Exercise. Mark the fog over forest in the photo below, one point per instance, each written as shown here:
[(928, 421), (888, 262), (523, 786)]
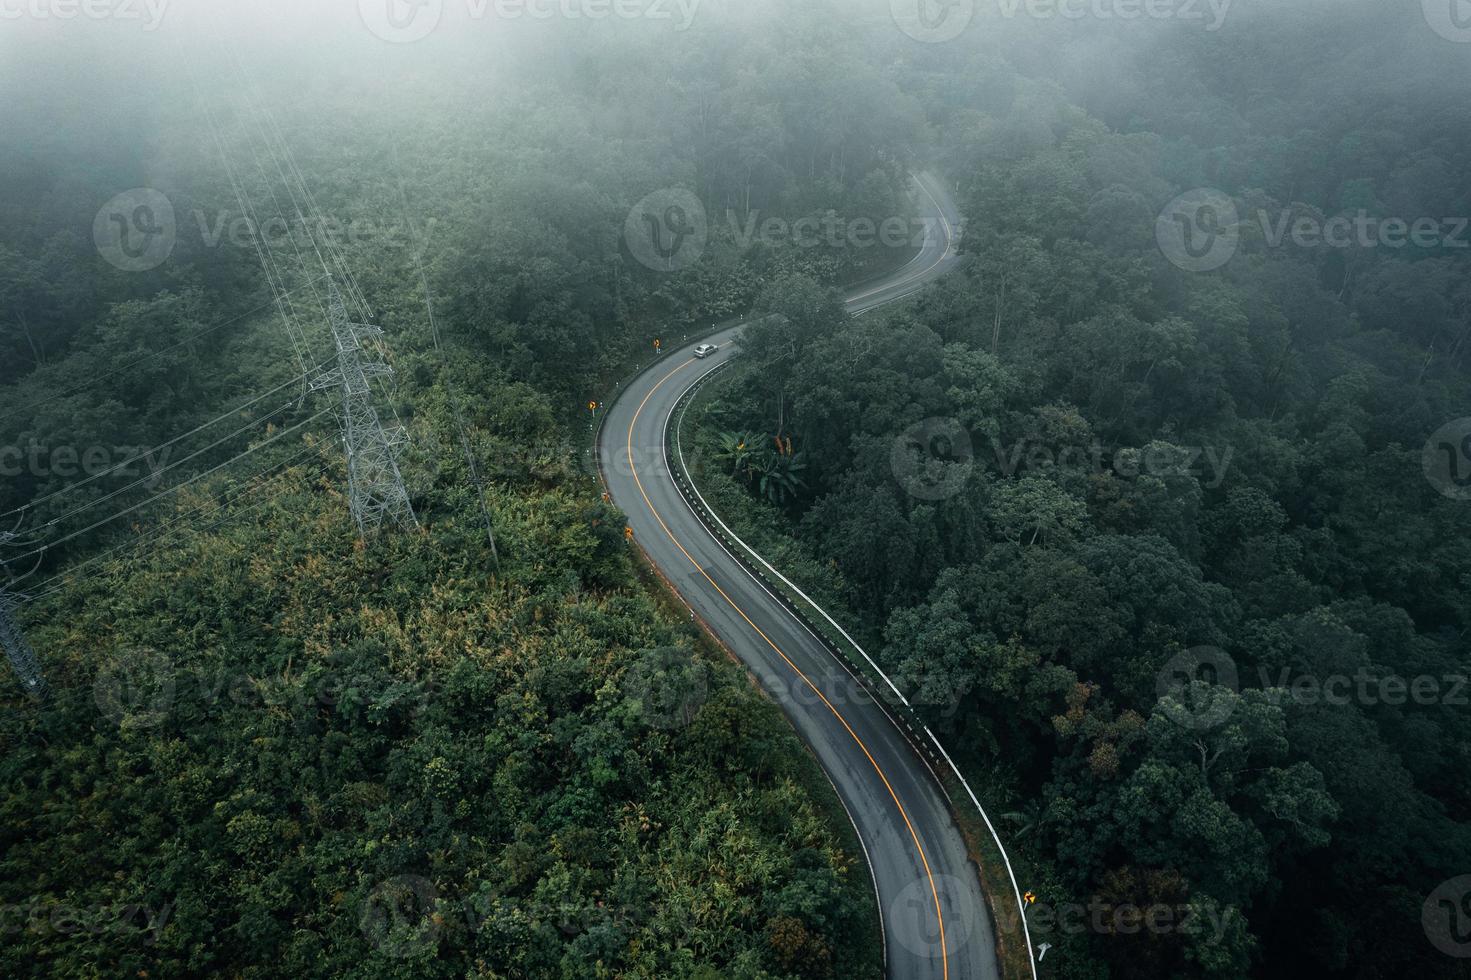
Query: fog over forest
[(735, 489)]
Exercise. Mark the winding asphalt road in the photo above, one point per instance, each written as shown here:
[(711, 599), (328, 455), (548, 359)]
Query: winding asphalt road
[(935, 922)]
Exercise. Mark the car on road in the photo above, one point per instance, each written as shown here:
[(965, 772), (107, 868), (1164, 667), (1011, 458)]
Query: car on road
[(705, 350)]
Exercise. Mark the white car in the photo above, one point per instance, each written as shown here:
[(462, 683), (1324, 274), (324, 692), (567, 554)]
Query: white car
[(705, 350)]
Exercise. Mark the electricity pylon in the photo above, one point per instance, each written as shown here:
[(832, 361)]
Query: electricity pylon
[(22, 658), (376, 490)]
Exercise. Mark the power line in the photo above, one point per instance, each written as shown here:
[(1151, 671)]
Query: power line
[(309, 216), (375, 484), (304, 206), (376, 490), (248, 116), (174, 465), (279, 150), (454, 402), (147, 357), (73, 697), (152, 452), (174, 489), (267, 262), (181, 523)]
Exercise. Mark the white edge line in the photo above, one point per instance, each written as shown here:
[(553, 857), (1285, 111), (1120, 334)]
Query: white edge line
[(873, 876), (821, 642), (679, 449), (1006, 859)]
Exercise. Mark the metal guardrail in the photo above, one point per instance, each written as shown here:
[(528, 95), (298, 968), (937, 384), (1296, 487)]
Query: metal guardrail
[(908, 722), (929, 748)]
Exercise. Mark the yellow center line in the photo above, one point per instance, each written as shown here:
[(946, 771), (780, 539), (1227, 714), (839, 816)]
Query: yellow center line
[(939, 912)]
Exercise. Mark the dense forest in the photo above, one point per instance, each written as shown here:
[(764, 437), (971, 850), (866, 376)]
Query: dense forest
[(268, 749), (1096, 470), (1144, 507)]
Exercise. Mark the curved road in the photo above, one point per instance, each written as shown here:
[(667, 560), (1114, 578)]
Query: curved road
[(935, 922)]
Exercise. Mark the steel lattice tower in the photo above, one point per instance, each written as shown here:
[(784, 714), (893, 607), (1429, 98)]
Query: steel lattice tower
[(375, 486), (22, 658)]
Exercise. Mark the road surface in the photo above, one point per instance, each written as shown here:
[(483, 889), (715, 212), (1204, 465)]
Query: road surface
[(935, 922)]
